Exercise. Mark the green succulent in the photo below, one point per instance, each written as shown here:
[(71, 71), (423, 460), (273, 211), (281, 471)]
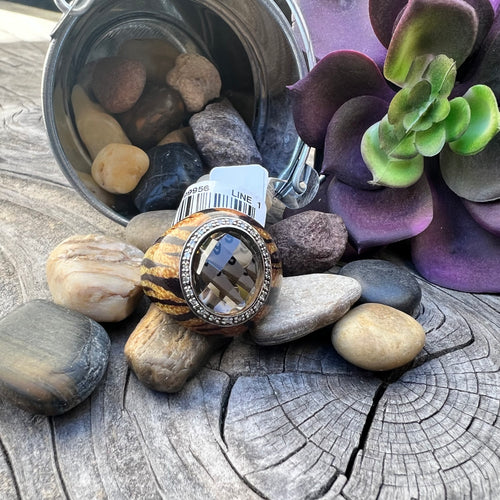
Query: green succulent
[(421, 120)]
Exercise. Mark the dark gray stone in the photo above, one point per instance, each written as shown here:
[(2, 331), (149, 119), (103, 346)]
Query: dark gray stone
[(172, 169), (386, 283), (52, 358), (309, 242), (222, 137)]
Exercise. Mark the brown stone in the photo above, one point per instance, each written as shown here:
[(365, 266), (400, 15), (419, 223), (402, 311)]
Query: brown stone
[(309, 242), (118, 83), (164, 355), (160, 110)]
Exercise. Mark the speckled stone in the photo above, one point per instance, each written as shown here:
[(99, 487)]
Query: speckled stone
[(173, 168), (52, 357), (309, 242), (144, 229), (378, 337), (222, 137), (385, 283), (164, 355), (197, 80), (305, 304), (118, 83)]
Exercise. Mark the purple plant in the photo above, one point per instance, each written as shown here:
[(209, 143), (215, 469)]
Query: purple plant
[(402, 107)]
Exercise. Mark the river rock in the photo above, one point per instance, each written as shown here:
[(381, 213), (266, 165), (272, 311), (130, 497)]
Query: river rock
[(144, 229), (118, 83), (309, 242), (378, 337), (52, 358), (160, 110), (164, 355), (173, 168), (223, 138), (96, 275), (305, 304), (96, 128), (197, 80), (385, 283), (118, 168)]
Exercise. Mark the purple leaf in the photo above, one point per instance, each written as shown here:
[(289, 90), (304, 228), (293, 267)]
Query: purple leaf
[(375, 218), (337, 25), (446, 27), (489, 60), (383, 15), (485, 15), (487, 215), (454, 251), (338, 77), (343, 140)]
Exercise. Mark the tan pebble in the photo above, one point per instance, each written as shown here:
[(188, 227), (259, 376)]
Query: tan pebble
[(197, 80), (96, 128), (96, 275), (118, 168), (184, 135), (158, 56), (164, 355), (378, 337)]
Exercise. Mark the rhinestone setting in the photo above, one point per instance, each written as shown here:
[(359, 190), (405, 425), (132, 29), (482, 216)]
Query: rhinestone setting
[(224, 299)]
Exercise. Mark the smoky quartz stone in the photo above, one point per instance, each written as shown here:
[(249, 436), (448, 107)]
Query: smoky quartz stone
[(227, 272)]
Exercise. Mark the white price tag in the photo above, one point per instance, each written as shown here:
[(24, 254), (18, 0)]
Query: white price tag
[(242, 188)]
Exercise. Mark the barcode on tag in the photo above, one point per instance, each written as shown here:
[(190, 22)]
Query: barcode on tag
[(225, 201), (191, 204), (242, 188), (210, 194)]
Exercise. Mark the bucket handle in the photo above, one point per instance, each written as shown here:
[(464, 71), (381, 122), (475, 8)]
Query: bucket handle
[(74, 8)]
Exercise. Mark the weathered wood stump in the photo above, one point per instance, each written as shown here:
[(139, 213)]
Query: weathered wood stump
[(287, 422)]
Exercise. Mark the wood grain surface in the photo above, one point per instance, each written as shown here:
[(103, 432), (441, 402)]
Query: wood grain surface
[(287, 422)]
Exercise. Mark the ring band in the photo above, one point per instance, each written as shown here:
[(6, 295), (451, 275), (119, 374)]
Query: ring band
[(215, 272)]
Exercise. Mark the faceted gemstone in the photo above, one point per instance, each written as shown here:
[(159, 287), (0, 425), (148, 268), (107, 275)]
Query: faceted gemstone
[(227, 275)]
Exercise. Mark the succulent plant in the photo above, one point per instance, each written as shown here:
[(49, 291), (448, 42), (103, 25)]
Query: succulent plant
[(402, 108)]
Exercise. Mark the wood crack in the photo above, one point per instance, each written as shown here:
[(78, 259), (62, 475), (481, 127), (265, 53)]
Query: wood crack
[(223, 410), (8, 462), (366, 428)]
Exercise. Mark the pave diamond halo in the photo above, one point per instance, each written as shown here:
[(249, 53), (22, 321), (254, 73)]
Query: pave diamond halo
[(215, 272)]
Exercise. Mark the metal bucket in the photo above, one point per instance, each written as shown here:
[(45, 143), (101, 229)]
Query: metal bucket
[(251, 42)]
